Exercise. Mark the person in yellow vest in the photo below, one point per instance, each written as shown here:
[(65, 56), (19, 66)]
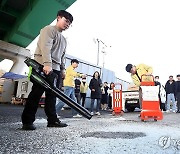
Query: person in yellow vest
[(83, 90), (138, 71), (69, 85), (136, 75)]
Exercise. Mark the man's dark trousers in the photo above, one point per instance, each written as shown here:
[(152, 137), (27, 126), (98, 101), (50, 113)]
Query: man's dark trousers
[(31, 106)]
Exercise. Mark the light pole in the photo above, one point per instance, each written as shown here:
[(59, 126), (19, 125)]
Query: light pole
[(99, 41), (104, 53)]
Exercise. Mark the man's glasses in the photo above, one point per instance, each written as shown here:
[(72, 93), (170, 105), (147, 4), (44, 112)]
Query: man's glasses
[(131, 71), (67, 21)]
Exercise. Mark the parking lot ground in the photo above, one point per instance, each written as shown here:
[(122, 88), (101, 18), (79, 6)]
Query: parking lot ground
[(105, 134)]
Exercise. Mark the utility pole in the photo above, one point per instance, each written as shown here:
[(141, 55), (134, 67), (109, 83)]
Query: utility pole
[(104, 46), (98, 41), (104, 53)]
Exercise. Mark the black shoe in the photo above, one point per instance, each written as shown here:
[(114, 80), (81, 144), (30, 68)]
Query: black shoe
[(28, 127), (57, 124), (178, 111)]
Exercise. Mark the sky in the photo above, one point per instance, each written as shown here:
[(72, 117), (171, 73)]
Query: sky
[(134, 31)]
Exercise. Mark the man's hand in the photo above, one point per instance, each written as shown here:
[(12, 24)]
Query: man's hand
[(47, 69), (93, 89)]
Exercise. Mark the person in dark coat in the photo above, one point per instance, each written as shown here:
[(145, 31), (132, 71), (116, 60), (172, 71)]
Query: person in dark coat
[(170, 91), (178, 93), (77, 90), (95, 87)]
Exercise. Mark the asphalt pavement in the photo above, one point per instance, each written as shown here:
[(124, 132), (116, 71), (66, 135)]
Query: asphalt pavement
[(104, 134)]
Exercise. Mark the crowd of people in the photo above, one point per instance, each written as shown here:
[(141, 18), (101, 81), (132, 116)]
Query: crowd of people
[(99, 92), (172, 88)]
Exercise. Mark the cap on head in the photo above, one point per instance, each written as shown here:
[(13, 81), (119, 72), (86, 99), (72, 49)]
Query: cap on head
[(67, 15), (178, 75), (128, 67)]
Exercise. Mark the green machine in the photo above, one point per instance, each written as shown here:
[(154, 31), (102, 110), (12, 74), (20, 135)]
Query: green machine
[(37, 75)]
